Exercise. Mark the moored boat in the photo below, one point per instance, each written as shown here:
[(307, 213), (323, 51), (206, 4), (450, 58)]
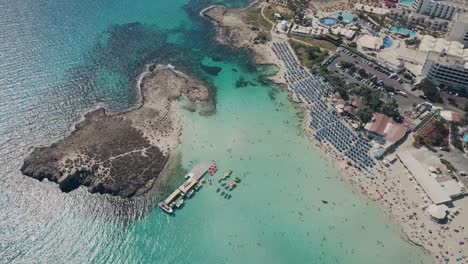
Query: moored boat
[(165, 208), (227, 174), (179, 202), (232, 185), (189, 193)]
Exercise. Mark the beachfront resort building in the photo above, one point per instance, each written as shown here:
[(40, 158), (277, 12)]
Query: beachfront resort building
[(385, 131), (458, 30), (440, 60), (445, 9), (447, 69)]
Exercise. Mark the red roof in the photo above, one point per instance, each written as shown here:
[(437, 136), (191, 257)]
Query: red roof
[(387, 128), (427, 128)]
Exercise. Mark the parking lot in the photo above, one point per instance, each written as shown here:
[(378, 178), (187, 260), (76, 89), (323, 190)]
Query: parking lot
[(378, 78)]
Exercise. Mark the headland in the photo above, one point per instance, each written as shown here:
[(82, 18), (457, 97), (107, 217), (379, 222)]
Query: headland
[(122, 154)]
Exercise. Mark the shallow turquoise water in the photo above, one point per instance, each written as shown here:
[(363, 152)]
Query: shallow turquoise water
[(63, 57)]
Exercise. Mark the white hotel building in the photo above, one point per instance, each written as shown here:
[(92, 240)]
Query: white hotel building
[(458, 30), (445, 9), (446, 69)]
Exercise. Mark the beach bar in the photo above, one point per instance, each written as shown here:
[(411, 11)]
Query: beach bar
[(433, 189)]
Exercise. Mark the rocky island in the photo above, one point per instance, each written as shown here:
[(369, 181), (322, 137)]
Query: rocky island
[(122, 154)]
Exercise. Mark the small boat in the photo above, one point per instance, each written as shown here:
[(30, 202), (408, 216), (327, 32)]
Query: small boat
[(189, 193), (222, 193), (198, 186), (209, 181), (232, 185), (236, 179), (179, 202), (165, 208), (227, 174), (223, 183), (217, 190), (325, 202)]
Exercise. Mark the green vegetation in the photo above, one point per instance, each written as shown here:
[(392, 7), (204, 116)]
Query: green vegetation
[(371, 102), (310, 56), (430, 91), (464, 120), (254, 17), (448, 164), (465, 107), (262, 37), (456, 136), (363, 73), (412, 41), (364, 113), (438, 137), (285, 13), (298, 7), (390, 109), (323, 44)]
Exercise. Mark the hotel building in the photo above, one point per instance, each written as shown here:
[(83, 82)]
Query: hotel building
[(443, 68), (445, 9), (458, 30)]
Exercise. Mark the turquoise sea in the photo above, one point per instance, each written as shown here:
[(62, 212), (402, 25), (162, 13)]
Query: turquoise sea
[(59, 59)]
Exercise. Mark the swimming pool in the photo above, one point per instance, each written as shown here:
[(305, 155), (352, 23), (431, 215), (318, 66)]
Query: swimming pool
[(347, 17), (406, 3), (328, 21), (403, 31), (387, 43)]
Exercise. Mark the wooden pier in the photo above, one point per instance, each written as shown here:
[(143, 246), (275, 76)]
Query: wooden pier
[(193, 178)]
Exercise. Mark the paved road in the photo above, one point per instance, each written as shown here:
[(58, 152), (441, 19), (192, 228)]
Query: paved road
[(404, 102)]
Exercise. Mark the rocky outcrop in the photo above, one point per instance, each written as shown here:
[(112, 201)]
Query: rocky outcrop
[(234, 31), (122, 154)]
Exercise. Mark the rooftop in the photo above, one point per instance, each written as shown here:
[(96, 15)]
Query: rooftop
[(450, 115), (441, 45), (387, 128), (427, 128), (370, 42), (431, 187)]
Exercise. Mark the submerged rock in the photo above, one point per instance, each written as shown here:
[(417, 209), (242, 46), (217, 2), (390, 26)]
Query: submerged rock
[(212, 70)]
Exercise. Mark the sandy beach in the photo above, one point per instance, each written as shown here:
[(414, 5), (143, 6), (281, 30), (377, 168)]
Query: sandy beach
[(392, 188)]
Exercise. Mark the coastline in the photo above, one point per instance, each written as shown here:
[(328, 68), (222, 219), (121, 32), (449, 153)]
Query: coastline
[(386, 187), (146, 135)]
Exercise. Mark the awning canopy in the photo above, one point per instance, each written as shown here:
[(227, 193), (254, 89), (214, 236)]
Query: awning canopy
[(437, 211)]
